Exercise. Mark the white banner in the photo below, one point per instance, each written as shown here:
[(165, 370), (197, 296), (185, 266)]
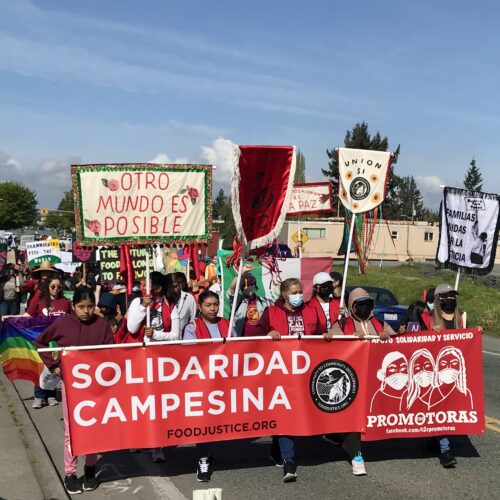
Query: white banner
[(468, 230), (38, 251), (311, 198), (142, 203), (362, 178)]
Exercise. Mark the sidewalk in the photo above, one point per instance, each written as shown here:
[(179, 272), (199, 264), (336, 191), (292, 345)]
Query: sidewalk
[(27, 469)]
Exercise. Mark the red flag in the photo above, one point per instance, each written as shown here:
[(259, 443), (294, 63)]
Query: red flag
[(127, 267), (195, 262), (261, 188)]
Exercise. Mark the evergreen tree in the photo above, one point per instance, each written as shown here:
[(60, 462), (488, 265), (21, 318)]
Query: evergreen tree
[(360, 138), (300, 170), (218, 205), (411, 204), (473, 178)]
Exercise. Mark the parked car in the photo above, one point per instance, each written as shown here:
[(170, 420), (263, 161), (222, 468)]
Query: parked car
[(387, 307)]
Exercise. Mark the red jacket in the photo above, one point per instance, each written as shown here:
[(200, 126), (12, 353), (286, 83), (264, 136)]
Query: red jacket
[(277, 318), (334, 311), (202, 332), (350, 327)]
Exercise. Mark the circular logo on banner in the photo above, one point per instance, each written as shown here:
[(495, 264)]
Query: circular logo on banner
[(333, 385), (359, 189)]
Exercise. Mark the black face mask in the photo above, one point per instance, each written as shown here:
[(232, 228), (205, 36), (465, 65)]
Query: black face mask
[(449, 305), (250, 292), (363, 310), (325, 292)]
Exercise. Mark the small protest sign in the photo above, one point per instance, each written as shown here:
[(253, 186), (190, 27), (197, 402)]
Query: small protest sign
[(38, 251), (109, 259), (311, 198)]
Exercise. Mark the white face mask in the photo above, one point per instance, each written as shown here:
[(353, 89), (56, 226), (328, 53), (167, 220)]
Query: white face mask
[(397, 381), (448, 375), (430, 305), (424, 378)]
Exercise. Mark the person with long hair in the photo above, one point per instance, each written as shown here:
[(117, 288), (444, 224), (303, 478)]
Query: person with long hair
[(81, 328), (51, 301), (183, 300), (420, 380), (10, 292), (414, 320)]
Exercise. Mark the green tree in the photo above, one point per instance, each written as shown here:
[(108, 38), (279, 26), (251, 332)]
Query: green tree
[(218, 205), (17, 205), (411, 204), (64, 216), (473, 178), (300, 170), (229, 228), (360, 138)]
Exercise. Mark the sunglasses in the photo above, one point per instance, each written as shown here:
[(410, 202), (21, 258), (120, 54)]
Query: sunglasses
[(55, 287)]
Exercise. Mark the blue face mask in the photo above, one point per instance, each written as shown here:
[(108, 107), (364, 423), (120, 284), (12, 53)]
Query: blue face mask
[(430, 305), (296, 300)]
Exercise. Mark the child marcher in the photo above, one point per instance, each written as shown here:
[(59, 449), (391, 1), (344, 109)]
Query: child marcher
[(81, 328)]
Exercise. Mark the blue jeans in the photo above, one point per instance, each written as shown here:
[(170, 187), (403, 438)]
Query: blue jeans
[(9, 308), (287, 447), (43, 393), (444, 444)]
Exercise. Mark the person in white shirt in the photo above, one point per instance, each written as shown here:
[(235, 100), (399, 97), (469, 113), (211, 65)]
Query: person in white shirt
[(185, 303)]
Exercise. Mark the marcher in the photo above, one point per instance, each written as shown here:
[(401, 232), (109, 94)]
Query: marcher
[(164, 321), (208, 325), (249, 306), (51, 301), (288, 316), (413, 320), (323, 301), (184, 301), (10, 292), (361, 320), (81, 328)]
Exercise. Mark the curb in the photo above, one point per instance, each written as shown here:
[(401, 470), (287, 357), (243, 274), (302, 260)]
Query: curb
[(42, 465)]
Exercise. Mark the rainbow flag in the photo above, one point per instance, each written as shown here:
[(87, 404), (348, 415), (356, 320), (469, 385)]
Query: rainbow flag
[(18, 354)]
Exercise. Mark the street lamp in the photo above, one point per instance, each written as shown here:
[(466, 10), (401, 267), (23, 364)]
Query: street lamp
[(408, 236)]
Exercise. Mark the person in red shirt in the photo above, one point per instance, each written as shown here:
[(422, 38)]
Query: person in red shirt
[(323, 300), (51, 301)]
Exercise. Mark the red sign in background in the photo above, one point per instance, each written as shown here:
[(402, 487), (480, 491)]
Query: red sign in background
[(414, 385)]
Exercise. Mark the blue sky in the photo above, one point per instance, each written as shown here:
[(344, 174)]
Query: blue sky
[(133, 81)]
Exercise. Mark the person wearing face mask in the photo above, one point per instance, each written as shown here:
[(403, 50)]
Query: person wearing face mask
[(446, 314), (414, 321), (361, 321), (323, 301), (249, 306), (288, 316)]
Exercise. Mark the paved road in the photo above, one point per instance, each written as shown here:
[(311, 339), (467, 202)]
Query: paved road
[(396, 468)]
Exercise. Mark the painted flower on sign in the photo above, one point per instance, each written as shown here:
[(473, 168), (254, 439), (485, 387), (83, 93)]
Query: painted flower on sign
[(93, 225), (111, 184), (192, 193)]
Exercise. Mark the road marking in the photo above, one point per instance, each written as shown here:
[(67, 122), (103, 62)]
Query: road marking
[(492, 353), (489, 424)]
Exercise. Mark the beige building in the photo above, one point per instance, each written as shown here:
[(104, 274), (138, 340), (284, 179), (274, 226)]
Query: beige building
[(396, 241)]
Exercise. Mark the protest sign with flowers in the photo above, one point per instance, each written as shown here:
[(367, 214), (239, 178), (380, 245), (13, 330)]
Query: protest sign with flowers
[(142, 203)]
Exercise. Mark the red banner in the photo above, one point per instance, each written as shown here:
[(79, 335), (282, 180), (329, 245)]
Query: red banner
[(413, 385), (425, 384), (177, 394)]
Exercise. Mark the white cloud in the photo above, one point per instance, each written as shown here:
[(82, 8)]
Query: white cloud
[(430, 186), (220, 154), (8, 165), (163, 158)]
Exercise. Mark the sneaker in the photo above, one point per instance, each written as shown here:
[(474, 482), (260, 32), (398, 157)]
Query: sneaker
[(332, 439), (72, 485), (204, 471), (275, 455), (447, 460), (90, 482), (38, 403), (289, 471), (52, 401), (158, 456), (358, 465)]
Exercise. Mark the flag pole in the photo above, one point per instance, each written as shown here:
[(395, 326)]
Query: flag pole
[(457, 279), (148, 288), (237, 290), (347, 255), (299, 238)]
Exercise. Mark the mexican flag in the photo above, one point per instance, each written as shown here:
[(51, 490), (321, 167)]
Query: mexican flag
[(268, 284)]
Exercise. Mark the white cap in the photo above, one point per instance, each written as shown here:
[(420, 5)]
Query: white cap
[(321, 278)]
